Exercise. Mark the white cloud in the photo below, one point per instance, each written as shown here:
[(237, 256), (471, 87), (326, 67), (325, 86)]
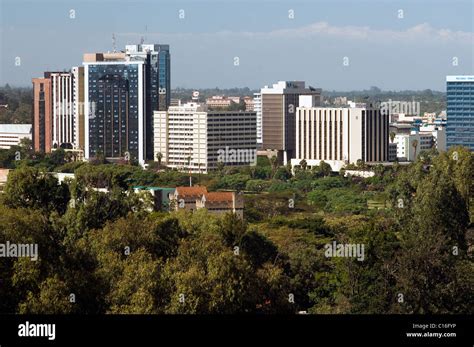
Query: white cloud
[(419, 33)]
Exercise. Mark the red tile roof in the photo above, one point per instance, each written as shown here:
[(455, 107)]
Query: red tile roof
[(196, 191), (219, 197)]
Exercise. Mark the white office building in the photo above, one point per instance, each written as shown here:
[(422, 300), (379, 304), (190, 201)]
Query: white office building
[(12, 134), (78, 107), (409, 146), (439, 135), (257, 107), (63, 110), (339, 136), (192, 139)]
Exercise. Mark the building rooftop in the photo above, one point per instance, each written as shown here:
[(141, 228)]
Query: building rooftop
[(196, 191), (219, 197), (15, 128)]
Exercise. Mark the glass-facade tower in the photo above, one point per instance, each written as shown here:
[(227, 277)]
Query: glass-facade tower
[(460, 111), (115, 118), (122, 90), (158, 84)]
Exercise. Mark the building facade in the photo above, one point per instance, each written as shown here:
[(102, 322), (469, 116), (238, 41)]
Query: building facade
[(157, 66), (197, 197), (339, 136), (122, 90), (191, 138), (114, 108), (62, 117), (78, 107), (278, 105), (12, 134), (42, 115), (409, 146), (257, 107), (460, 111), (55, 119)]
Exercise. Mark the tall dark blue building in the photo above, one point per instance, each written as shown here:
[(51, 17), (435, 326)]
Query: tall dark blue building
[(460, 111), (122, 90)]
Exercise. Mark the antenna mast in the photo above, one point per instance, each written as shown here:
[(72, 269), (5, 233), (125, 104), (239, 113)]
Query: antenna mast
[(114, 43)]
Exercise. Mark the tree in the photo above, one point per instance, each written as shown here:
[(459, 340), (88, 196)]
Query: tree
[(28, 187), (325, 168), (392, 136), (159, 156), (414, 144), (274, 164), (432, 245), (53, 298)]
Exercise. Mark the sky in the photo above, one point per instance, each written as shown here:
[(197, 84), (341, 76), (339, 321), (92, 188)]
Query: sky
[(330, 44)]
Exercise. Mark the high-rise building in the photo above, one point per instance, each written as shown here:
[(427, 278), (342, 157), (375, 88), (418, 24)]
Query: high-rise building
[(279, 104), (63, 119), (114, 107), (257, 107), (157, 83), (460, 111), (78, 107), (191, 138), (53, 111), (339, 136), (122, 90), (42, 115)]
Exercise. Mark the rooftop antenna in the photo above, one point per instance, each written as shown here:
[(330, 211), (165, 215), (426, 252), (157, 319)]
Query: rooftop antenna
[(114, 43), (142, 40)]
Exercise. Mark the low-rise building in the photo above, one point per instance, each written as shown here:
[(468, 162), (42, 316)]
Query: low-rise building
[(409, 146), (12, 134), (197, 197), (218, 101)]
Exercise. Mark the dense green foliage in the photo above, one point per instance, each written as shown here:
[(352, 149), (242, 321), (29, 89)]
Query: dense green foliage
[(105, 253)]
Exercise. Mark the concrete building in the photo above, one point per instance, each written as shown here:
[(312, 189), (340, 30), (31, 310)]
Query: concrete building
[(439, 135), (409, 146), (460, 111), (249, 106), (63, 118), (218, 101), (78, 107), (257, 107), (192, 139), (42, 115), (56, 119), (195, 198), (279, 104), (12, 134), (392, 151), (339, 136)]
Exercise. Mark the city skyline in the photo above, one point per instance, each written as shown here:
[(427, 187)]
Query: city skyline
[(382, 49)]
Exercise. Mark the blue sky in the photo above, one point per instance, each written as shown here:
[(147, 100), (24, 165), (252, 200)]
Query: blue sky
[(415, 52)]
